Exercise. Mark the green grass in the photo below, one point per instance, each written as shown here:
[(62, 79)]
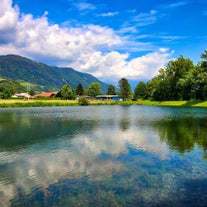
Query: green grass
[(191, 103), (56, 102), (35, 103), (25, 84), (200, 104), (172, 103)]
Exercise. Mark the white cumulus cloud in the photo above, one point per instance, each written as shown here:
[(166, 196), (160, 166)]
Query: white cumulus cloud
[(8, 20), (86, 48)]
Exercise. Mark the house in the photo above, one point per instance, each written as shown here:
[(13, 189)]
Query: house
[(21, 95), (108, 97), (45, 95), (84, 96)]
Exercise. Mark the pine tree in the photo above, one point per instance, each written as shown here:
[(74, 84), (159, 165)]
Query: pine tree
[(125, 89), (79, 90)]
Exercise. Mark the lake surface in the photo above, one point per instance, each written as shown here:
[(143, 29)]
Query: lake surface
[(103, 156)]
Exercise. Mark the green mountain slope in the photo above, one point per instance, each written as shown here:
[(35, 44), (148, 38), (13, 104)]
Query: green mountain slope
[(44, 77)]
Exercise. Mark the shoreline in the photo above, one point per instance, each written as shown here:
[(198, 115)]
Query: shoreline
[(12, 103)]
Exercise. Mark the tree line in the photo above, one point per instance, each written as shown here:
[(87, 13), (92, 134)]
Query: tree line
[(94, 89), (180, 79)]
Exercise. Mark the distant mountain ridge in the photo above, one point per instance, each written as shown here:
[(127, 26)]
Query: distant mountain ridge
[(45, 77)]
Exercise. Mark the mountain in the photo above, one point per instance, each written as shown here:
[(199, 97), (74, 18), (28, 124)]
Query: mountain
[(41, 76)]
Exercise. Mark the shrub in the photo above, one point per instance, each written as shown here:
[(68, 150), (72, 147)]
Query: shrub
[(83, 101)]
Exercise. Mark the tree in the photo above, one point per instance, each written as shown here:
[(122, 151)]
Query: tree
[(199, 79), (5, 93), (111, 90), (12, 86), (176, 70), (171, 82), (67, 92), (31, 92), (82, 101), (203, 66), (152, 87), (125, 89), (203, 63), (94, 89), (204, 55), (79, 90), (196, 80), (140, 91)]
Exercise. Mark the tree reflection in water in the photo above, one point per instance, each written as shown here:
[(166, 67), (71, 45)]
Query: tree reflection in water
[(182, 134)]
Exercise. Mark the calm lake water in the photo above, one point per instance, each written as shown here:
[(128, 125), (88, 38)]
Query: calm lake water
[(103, 156)]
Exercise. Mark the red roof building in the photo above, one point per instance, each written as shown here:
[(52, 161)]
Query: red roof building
[(45, 94)]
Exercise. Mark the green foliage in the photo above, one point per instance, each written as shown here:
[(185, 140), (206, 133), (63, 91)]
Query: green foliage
[(79, 90), (12, 86), (94, 89), (172, 82), (9, 87), (5, 93), (111, 90), (67, 92), (180, 80), (204, 55), (125, 89), (82, 101), (140, 91), (31, 92)]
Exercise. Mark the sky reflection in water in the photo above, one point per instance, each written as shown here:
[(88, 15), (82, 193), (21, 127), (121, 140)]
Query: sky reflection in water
[(103, 156)]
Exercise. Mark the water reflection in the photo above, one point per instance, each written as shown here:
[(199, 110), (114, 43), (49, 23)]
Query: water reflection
[(22, 128), (88, 156), (183, 133)]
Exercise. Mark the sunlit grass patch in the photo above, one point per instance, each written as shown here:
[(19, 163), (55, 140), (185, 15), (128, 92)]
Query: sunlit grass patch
[(201, 104), (172, 103), (56, 102), (36, 103)]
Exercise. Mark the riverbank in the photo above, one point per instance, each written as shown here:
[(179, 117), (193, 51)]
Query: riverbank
[(36, 103), (43, 103)]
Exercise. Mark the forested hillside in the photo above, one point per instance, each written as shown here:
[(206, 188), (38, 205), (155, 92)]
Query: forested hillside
[(42, 76)]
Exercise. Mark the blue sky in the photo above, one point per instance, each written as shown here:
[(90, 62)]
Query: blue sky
[(108, 39)]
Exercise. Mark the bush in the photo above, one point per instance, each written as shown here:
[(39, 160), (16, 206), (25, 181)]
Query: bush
[(83, 101)]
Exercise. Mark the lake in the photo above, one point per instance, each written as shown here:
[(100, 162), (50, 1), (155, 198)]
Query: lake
[(103, 156)]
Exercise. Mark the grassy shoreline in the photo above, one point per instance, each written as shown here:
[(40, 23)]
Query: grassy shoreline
[(44, 103)]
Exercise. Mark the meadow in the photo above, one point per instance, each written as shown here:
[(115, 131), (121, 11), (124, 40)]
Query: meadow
[(4, 103)]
